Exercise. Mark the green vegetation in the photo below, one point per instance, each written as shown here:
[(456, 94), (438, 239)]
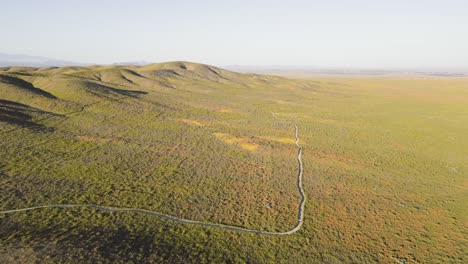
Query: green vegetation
[(384, 165)]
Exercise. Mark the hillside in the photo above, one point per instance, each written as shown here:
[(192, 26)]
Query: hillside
[(384, 166)]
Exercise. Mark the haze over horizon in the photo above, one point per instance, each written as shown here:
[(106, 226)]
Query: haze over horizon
[(334, 34)]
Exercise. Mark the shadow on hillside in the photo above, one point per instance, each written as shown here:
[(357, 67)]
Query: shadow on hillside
[(25, 85), (20, 115), (87, 242), (95, 87)]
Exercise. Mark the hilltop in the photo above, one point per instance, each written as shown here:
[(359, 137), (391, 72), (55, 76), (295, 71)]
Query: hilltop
[(61, 89)]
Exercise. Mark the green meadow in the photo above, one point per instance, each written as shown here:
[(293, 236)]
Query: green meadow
[(385, 166)]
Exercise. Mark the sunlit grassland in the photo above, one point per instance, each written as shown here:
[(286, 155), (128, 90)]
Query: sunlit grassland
[(385, 167)]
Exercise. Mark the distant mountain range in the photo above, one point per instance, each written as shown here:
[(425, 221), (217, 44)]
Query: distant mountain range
[(32, 61), (13, 60)]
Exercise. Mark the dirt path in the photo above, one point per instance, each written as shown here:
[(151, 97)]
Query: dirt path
[(300, 213)]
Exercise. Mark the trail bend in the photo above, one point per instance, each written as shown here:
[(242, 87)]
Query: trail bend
[(297, 227)]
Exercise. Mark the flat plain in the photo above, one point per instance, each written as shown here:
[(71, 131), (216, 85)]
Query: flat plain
[(385, 165)]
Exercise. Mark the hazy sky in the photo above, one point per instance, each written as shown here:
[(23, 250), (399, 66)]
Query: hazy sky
[(326, 33)]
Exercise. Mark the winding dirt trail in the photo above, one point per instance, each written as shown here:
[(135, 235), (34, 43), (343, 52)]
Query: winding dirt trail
[(300, 213)]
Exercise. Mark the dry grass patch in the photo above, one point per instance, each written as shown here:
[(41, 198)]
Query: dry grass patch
[(249, 146), (280, 140), (241, 141), (191, 122)]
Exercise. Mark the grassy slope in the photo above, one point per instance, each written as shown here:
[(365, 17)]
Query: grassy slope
[(385, 168)]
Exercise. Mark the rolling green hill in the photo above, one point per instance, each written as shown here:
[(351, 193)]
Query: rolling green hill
[(384, 166)]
